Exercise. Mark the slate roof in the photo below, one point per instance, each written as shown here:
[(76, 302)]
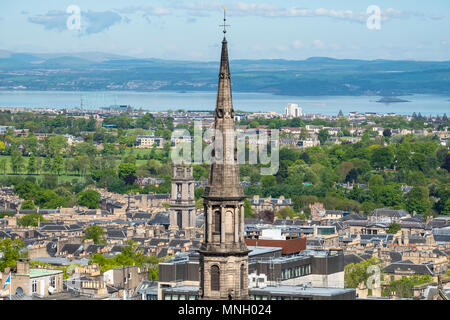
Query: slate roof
[(162, 253), (407, 265), (354, 217), (116, 234), (156, 241), (72, 248), (395, 256), (351, 258), (178, 242), (93, 248), (387, 212), (161, 218)]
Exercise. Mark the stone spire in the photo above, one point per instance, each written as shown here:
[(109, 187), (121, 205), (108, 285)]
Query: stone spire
[(223, 253), (224, 174)]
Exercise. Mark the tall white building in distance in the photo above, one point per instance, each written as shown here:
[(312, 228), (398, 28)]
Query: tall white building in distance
[(293, 111)]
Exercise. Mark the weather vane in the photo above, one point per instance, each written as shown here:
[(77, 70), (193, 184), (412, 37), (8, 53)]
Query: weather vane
[(224, 25)]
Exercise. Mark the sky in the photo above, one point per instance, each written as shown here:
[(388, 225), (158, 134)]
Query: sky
[(265, 29)]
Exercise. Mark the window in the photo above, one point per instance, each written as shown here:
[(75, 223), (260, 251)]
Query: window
[(53, 282), (215, 278), (34, 286), (191, 297), (217, 222), (168, 297)]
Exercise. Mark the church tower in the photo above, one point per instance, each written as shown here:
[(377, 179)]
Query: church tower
[(223, 253), (182, 199)]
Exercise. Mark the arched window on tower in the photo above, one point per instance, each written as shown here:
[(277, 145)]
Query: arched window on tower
[(217, 221), (215, 278)]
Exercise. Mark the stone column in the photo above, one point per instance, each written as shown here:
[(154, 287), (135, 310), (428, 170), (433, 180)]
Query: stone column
[(236, 224), (209, 222), (222, 222), (242, 223)]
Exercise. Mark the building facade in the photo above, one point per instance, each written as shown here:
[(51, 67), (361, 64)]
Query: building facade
[(182, 199)]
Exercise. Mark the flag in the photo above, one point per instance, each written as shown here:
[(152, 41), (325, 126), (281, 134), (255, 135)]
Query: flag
[(8, 281)]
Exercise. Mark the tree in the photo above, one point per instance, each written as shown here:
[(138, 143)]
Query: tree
[(286, 212), (356, 273), (403, 288), (47, 164), (27, 205), (417, 200), (3, 165), (268, 181), (387, 132), (58, 164), (31, 168), (394, 228), (323, 136), (248, 211), (352, 175), (95, 233), (16, 161), (382, 157), (30, 220), (89, 198), (11, 250), (127, 172)]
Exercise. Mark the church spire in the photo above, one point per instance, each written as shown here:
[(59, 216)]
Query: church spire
[(223, 253), (224, 175)]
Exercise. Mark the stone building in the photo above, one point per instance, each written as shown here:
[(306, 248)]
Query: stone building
[(32, 281), (182, 200), (224, 254)]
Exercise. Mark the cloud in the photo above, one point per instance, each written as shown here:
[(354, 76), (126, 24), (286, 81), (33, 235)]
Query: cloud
[(318, 44), (296, 44), (203, 8), (99, 21), (51, 20), (147, 10), (91, 21)]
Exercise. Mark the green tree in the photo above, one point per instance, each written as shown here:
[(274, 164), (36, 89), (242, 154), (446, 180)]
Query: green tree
[(95, 233), (16, 161), (31, 167), (3, 165), (323, 136), (394, 228), (268, 181), (58, 164), (127, 172), (418, 200), (356, 273), (248, 211), (30, 220), (89, 198), (382, 157), (27, 205), (11, 251)]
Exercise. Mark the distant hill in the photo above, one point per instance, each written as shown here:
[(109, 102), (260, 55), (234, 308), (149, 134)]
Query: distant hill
[(312, 77)]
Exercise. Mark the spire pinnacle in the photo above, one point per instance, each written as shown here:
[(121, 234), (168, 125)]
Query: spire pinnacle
[(224, 25)]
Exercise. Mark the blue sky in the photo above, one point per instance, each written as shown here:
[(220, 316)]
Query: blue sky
[(265, 29)]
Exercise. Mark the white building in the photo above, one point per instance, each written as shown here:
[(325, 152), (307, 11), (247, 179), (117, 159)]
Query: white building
[(293, 111)]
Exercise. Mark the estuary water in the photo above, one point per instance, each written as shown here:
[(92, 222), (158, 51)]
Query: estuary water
[(253, 102)]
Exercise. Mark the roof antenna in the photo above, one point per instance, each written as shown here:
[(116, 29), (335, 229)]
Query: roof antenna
[(224, 25)]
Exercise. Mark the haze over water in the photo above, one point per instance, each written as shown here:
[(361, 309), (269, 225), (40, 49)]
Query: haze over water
[(252, 102)]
